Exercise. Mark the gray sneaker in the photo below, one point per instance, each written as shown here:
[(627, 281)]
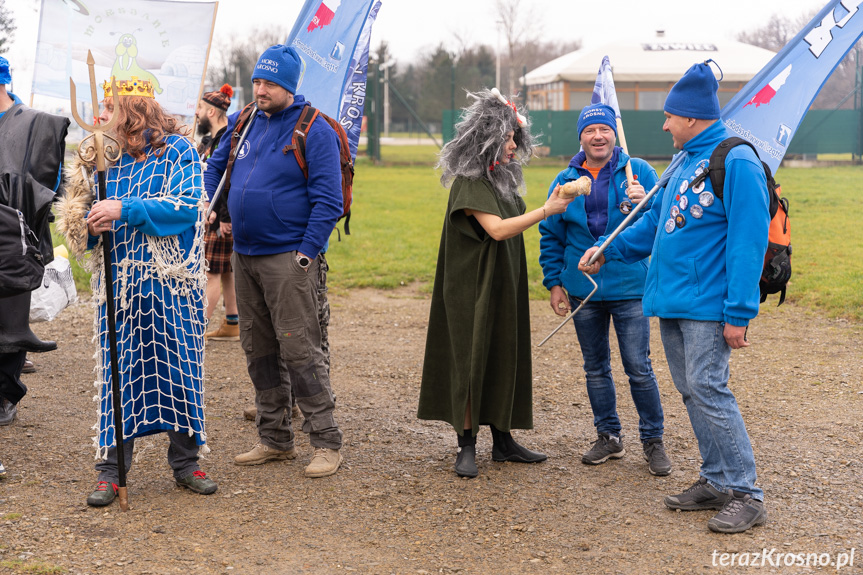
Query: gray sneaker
[(604, 448), (8, 411), (701, 495), (739, 514), (657, 461), (198, 482)]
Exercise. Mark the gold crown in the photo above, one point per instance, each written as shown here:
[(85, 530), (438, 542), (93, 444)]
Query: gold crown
[(131, 87)]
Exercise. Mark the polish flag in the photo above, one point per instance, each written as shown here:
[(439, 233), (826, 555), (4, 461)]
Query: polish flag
[(766, 93), (324, 15)]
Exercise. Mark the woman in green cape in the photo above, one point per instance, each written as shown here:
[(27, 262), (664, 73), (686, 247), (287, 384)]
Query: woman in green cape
[(477, 368)]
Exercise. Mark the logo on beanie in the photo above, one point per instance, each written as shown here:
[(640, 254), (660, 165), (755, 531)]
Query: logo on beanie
[(268, 65), (766, 93), (324, 14)]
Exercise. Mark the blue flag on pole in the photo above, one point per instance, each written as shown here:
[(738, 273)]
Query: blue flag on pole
[(603, 89), (333, 37), (769, 109)]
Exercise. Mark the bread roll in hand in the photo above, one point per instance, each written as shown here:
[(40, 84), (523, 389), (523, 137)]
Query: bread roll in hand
[(579, 187)]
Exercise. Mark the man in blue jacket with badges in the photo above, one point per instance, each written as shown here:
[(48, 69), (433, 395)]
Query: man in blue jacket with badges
[(280, 221), (702, 284), (564, 238)]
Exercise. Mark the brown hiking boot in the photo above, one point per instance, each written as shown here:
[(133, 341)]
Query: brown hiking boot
[(325, 462), (260, 453), (251, 413), (226, 332)]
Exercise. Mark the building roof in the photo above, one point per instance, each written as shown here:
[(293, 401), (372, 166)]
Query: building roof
[(653, 60)]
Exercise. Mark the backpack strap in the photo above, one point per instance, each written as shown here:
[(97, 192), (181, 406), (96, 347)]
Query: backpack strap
[(242, 119), (298, 141), (716, 171), (716, 165)]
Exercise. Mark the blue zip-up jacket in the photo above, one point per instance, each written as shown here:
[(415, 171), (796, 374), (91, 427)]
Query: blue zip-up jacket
[(707, 270), (273, 208), (566, 236)]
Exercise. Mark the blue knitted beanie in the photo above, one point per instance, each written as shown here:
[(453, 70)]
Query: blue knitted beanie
[(5, 76), (694, 95), (596, 114), (282, 65)]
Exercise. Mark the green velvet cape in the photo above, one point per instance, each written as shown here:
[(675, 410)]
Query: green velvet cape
[(478, 343)]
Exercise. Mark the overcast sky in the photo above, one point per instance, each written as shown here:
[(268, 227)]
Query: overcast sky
[(412, 28)]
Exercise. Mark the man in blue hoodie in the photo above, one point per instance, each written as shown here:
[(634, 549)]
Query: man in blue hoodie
[(564, 238), (281, 221), (702, 284)]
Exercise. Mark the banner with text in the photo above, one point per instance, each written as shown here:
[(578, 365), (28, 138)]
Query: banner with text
[(333, 37), (162, 41), (769, 109)]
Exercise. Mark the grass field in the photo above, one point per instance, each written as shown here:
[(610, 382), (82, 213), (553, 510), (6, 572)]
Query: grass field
[(399, 208)]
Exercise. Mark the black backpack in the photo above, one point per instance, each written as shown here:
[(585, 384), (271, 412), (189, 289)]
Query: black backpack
[(21, 263), (777, 261)]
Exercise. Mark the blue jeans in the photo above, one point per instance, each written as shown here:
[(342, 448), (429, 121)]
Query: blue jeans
[(633, 338), (697, 357)]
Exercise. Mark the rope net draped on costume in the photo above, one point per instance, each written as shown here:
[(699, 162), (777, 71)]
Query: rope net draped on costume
[(159, 287)]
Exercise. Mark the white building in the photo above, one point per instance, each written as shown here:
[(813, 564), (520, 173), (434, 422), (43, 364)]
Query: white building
[(643, 72)]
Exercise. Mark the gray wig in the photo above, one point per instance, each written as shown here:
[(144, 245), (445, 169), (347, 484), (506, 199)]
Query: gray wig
[(477, 147)]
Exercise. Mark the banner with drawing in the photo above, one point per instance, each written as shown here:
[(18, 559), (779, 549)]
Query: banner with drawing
[(157, 40)]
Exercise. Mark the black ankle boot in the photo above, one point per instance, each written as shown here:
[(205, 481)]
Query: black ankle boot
[(506, 449), (465, 461), (15, 334)]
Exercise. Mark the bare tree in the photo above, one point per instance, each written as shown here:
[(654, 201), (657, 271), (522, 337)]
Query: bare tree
[(518, 29), (232, 60), (774, 35), (7, 27)]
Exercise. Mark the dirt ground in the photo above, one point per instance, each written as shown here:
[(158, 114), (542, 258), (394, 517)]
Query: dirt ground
[(396, 506)]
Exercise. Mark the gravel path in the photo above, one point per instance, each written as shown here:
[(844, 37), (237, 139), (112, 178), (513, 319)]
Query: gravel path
[(397, 507)]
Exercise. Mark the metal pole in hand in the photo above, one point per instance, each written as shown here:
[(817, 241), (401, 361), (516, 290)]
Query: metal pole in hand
[(666, 175), (92, 149), (232, 154)]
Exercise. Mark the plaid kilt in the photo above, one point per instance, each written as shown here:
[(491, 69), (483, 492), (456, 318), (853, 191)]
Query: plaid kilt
[(217, 251)]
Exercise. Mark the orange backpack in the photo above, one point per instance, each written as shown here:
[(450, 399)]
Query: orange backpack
[(777, 261)]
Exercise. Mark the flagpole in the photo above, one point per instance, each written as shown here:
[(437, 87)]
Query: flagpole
[(204, 73), (622, 138), (604, 93)]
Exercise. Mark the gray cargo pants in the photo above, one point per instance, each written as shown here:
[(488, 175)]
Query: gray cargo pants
[(182, 457), (281, 334)]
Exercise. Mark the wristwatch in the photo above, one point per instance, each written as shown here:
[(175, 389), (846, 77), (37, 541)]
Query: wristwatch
[(303, 261)]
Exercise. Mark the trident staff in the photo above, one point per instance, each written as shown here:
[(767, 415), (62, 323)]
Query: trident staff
[(93, 150)]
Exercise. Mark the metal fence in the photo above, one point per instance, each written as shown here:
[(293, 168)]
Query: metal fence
[(821, 132)]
